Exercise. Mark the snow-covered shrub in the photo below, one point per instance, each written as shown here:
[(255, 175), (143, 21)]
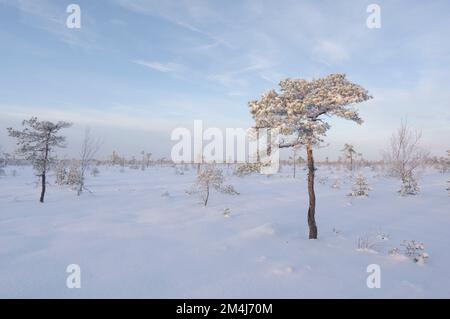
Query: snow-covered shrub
[(395, 252), (68, 176), (226, 212), (336, 184), (382, 235), (373, 241), (409, 186), (360, 187), (413, 250), (73, 176), (209, 178), (13, 173), (247, 169), (322, 180), (61, 173), (2, 172), (179, 170), (366, 243)]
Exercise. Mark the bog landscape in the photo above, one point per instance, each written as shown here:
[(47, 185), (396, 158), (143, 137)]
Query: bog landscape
[(199, 149)]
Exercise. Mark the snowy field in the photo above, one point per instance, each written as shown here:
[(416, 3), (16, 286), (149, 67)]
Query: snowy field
[(132, 239)]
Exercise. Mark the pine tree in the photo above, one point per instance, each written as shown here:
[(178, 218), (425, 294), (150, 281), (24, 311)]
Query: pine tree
[(36, 142), (360, 187), (349, 153), (298, 112)]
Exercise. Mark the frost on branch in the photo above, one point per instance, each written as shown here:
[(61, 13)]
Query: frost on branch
[(298, 108), (247, 169), (210, 178)]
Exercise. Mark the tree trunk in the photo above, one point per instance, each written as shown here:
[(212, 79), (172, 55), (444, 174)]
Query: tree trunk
[(312, 195), (81, 181), (43, 187), (257, 145), (44, 170), (269, 142), (294, 162), (207, 195), (80, 189)]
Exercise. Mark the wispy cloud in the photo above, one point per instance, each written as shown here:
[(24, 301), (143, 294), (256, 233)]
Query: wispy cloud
[(169, 67), (51, 18), (238, 77), (178, 13), (112, 118)]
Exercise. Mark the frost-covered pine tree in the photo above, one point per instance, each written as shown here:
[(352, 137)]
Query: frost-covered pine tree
[(210, 178), (349, 153), (360, 187), (36, 143), (299, 111)]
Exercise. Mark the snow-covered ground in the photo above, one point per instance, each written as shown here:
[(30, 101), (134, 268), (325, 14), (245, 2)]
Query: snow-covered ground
[(130, 241)]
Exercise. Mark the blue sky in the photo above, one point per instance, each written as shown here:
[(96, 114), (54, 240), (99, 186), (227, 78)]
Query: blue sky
[(137, 69)]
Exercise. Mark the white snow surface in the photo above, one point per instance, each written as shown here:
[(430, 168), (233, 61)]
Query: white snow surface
[(139, 235)]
